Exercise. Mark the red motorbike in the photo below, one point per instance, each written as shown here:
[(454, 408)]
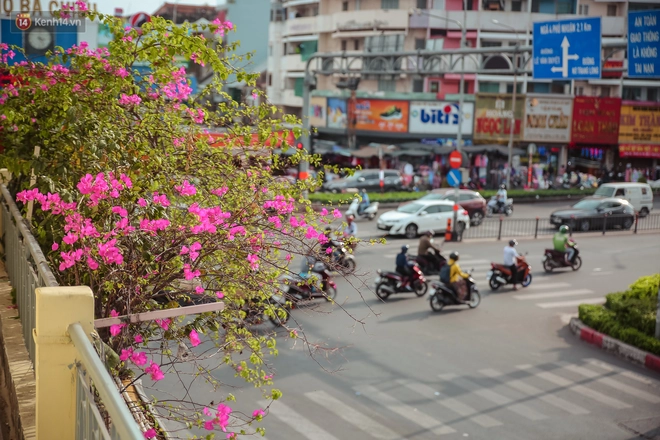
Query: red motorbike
[(553, 259), (298, 289), (388, 283), (500, 275)]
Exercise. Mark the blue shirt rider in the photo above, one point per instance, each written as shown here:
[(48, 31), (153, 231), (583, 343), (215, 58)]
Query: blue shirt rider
[(364, 204), (403, 266)]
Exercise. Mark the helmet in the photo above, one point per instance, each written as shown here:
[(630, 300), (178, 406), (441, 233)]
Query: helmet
[(350, 217), (512, 242), (429, 233), (453, 255), (563, 229), (328, 229), (502, 186), (404, 248)]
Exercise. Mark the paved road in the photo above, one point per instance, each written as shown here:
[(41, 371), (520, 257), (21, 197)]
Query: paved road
[(509, 369)]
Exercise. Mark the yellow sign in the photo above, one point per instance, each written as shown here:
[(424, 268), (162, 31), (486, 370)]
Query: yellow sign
[(639, 124)]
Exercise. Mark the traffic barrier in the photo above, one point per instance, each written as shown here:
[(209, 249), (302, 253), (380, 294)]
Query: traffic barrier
[(448, 231)]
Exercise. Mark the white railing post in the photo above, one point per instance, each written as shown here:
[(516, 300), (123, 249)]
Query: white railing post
[(56, 309)]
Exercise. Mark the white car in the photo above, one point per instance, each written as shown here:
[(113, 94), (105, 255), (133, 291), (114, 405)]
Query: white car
[(415, 218)]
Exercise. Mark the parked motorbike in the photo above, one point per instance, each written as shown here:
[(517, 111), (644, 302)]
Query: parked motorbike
[(297, 289), (369, 212), (553, 259), (494, 208), (443, 295), (388, 283), (500, 275), (426, 266)]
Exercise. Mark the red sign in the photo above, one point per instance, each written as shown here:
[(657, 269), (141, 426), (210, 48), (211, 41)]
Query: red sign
[(455, 159), (611, 64), (596, 120), (633, 150), (137, 20)]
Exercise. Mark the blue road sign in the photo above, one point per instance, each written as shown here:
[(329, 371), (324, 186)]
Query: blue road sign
[(644, 44), (567, 49), (454, 177)]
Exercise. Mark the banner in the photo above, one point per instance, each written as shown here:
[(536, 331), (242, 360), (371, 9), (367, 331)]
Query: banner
[(631, 150), (436, 117), (595, 120), (640, 124), (492, 121), (548, 119), (317, 111), (337, 113), (381, 115)]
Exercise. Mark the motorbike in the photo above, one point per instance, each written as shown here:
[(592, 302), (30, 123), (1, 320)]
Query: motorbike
[(344, 260), (500, 275), (425, 264), (553, 259), (369, 212), (258, 313), (297, 289), (494, 208), (388, 283), (443, 295)]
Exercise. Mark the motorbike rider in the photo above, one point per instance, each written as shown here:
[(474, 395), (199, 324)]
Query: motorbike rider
[(455, 272), (510, 255), (364, 204), (425, 244), (562, 243), (403, 267), (350, 231), (501, 197)]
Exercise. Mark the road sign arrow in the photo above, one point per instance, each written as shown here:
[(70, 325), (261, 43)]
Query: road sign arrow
[(565, 44)]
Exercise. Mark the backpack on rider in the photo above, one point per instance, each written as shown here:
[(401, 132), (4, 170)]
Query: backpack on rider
[(445, 272)]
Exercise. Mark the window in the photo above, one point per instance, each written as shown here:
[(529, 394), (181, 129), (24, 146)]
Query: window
[(632, 93), (643, 191), (465, 197), (611, 10), (435, 44), (434, 86), (344, 6), (343, 45), (389, 4), (489, 87), (356, 44), (433, 209), (620, 192), (384, 43), (579, 91), (386, 85), (509, 88), (491, 43), (298, 87), (420, 43), (583, 10), (652, 95), (516, 5), (270, 79), (446, 208), (418, 86), (421, 4)]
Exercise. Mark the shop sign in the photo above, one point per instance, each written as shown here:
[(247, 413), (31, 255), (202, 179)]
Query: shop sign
[(337, 114), (436, 117), (639, 124), (37, 7), (595, 120), (632, 150), (492, 121), (381, 115), (548, 119), (317, 111)]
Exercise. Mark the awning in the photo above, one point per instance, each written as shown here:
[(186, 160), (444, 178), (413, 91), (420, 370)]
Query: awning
[(365, 33), (499, 149), (428, 148), (373, 151), (415, 153)]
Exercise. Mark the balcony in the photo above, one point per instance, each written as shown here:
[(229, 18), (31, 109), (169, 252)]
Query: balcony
[(359, 23), (292, 3), (292, 62), (301, 25), (290, 99)]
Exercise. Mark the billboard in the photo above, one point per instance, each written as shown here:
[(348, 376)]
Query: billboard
[(437, 117), (548, 119), (382, 115), (640, 123), (595, 120), (492, 119), (337, 114), (317, 111)]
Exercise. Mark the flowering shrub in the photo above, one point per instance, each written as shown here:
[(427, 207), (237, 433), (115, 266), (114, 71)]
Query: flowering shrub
[(134, 201)]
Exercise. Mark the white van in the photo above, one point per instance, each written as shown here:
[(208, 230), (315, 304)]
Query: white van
[(639, 195)]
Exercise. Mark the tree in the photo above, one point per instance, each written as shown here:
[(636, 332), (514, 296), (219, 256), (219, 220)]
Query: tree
[(137, 202)]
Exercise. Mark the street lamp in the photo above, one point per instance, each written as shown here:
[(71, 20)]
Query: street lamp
[(513, 100)]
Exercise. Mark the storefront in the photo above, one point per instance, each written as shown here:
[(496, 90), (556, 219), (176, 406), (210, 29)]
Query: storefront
[(492, 126), (639, 140), (594, 135)]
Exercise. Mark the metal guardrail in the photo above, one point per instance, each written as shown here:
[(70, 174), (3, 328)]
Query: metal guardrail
[(505, 228), (91, 372), (27, 266)]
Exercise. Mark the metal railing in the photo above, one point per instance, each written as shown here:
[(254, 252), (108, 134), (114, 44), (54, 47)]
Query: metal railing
[(505, 228), (27, 266), (91, 375)]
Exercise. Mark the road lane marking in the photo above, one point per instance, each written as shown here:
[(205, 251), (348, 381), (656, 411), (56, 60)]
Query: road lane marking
[(532, 391), (405, 411), (301, 424), (571, 303), (494, 397), (629, 374), (548, 286), (352, 416), (575, 292), (450, 403), (611, 383), (580, 389)]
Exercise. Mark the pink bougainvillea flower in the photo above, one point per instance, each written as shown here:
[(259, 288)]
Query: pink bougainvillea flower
[(125, 354), (207, 411), (188, 274), (194, 338), (258, 413), (55, 247), (194, 248), (115, 329), (139, 359), (92, 263), (70, 238), (184, 250), (268, 377), (324, 212), (254, 95), (154, 371), (220, 191), (186, 189), (142, 202), (151, 433), (311, 233), (254, 261), (119, 210), (138, 339), (328, 250), (164, 323), (336, 213), (199, 290), (129, 99), (288, 257)]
